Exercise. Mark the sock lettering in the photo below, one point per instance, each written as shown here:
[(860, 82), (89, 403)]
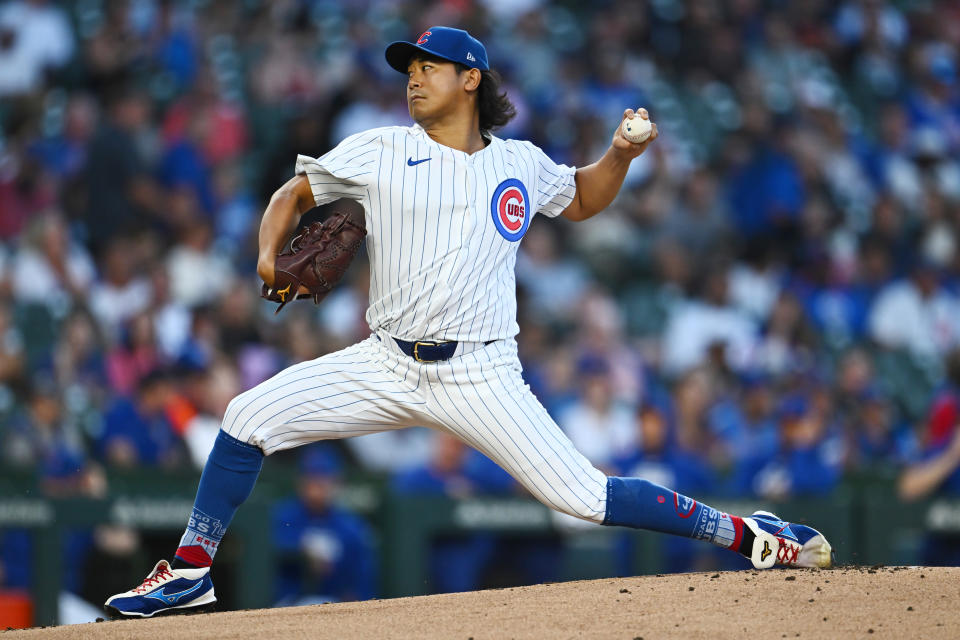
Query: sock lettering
[(203, 531)]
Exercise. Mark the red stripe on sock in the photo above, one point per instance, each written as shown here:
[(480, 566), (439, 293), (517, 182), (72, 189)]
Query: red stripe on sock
[(738, 536), (195, 555)]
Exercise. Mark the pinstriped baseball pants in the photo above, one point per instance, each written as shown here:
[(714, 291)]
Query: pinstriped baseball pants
[(479, 397)]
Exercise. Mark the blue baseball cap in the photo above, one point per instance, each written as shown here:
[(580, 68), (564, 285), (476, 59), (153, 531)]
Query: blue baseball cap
[(455, 45), (591, 365), (793, 406), (320, 462)]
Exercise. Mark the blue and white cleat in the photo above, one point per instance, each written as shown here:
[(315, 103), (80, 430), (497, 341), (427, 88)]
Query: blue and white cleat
[(783, 543), (165, 590)]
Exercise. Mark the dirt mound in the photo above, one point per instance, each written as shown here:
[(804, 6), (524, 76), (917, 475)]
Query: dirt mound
[(878, 602)]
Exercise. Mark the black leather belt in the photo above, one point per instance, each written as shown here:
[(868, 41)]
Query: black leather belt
[(428, 350)]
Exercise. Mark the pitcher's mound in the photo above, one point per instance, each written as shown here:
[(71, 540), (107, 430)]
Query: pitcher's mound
[(861, 602)]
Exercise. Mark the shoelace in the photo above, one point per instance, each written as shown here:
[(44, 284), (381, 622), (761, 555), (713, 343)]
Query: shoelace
[(788, 553), (156, 578)]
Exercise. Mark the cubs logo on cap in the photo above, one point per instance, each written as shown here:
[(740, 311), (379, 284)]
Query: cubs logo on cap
[(455, 45), (510, 209)]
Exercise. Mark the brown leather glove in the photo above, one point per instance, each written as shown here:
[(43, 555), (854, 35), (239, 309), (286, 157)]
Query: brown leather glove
[(316, 259)]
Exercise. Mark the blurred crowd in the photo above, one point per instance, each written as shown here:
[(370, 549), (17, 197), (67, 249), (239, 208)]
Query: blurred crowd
[(771, 305)]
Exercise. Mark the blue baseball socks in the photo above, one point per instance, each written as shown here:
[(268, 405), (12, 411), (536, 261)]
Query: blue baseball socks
[(233, 467), (227, 480), (637, 503)]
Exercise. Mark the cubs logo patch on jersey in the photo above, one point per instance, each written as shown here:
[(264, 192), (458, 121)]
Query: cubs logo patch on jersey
[(510, 208)]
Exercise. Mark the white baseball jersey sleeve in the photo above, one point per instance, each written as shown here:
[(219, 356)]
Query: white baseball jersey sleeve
[(443, 226)]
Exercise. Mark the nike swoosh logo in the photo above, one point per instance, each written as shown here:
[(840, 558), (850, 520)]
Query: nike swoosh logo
[(411, 162), (172, 598)]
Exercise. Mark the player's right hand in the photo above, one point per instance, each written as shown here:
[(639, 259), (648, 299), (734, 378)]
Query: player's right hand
[(633, 149)]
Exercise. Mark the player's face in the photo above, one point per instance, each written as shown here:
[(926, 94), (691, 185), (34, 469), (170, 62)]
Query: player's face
[(434, 88)]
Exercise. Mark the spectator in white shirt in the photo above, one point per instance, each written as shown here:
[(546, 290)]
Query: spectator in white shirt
[(598, 425), (917, 314), (121, 293), (195, 267), (555, 282), (34, 36), (171, 319), (49, 268), (697, 325), (219, 385)]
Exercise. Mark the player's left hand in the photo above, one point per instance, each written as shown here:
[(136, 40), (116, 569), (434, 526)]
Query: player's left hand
[(266, 270), (633, 149), (316, 260)]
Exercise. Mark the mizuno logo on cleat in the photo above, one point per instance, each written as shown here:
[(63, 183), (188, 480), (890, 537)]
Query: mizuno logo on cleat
[(766, 551), (172, 598)]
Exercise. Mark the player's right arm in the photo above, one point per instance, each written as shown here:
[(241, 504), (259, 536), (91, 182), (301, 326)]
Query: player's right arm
[(599, 183), (287, 204)]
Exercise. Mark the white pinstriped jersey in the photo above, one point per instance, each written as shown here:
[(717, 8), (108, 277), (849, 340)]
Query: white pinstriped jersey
[(443, 226)]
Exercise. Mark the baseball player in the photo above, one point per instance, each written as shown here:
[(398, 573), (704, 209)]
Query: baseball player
[(446, 204)]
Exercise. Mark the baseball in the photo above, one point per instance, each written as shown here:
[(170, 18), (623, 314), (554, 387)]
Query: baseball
[(636, 129)]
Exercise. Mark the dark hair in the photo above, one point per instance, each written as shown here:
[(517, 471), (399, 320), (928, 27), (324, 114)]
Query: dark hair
[(495, 107)]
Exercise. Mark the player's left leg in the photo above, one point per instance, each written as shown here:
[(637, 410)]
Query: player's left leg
[(361, 389), (481, 398)]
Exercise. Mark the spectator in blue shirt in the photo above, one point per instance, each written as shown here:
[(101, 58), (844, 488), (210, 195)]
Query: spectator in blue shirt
[(808, 460), (327, 553), (662, 460), (744, 423), (766, 192), (459, 563), (456, 471), (137, 431), (45, 438), (878, 437)]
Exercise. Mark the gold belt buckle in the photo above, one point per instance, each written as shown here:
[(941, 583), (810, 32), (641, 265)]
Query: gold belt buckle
[(425, 343)]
